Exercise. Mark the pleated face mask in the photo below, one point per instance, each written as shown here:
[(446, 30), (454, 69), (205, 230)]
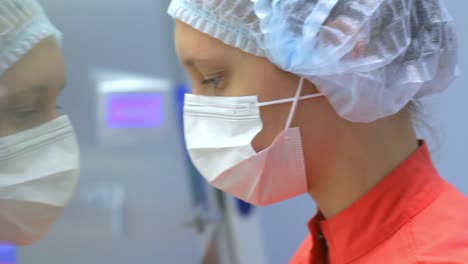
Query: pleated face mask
[(219, 132), (38, 173)]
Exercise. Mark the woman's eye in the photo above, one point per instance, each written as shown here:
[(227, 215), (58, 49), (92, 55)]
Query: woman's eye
[(25, 115), (212, 83)]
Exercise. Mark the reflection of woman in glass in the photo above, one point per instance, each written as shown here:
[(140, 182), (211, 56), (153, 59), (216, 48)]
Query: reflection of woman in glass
[(316, 96), (38, 150)]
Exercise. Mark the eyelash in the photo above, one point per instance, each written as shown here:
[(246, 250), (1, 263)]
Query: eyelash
[(23, 115), (32, 112), (213, 81)]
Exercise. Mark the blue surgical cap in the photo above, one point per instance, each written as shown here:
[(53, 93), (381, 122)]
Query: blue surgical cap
[(23, 24), (369, 57)]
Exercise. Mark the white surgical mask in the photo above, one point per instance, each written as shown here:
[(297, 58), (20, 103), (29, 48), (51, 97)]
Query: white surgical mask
[(38, 174), (218, 134)]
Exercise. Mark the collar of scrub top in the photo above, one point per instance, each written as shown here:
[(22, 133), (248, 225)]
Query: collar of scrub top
[(397, 198)]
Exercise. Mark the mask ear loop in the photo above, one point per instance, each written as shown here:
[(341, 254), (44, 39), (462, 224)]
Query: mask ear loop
[(294, 104), (289, 100)]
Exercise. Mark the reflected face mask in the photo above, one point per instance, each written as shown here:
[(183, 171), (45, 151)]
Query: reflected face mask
[(218, 134), (39, 169)]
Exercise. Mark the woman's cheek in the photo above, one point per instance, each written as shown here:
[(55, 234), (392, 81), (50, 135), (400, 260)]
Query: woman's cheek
[(274, 120)]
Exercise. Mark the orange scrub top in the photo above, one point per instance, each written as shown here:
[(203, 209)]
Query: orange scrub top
[(411, 216)]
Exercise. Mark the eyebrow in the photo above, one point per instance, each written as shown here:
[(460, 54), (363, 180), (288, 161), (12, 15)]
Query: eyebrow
[(188, 62), (36, 90), (15, 99), (33, 89), (194, 61)]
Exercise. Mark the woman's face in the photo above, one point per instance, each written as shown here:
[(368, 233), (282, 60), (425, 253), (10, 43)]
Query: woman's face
[(30, 89), (217, 69)]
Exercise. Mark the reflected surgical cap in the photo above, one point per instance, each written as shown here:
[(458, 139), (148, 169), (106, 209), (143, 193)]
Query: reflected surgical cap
[(369, 57), (23, 24)]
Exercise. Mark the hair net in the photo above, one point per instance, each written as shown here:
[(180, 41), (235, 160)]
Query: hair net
[(23, 24), (369, 57)]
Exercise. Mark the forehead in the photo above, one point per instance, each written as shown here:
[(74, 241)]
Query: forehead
[(193, 44), (43, 66)]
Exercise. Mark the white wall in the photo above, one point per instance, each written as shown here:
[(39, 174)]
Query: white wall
[(452, 110)]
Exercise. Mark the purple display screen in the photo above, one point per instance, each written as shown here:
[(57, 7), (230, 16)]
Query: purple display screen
[(134, 110)]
